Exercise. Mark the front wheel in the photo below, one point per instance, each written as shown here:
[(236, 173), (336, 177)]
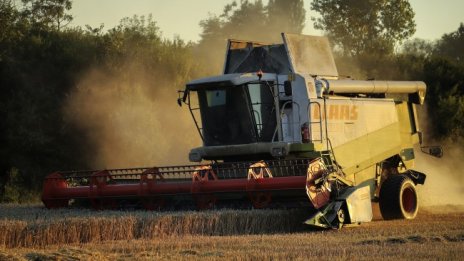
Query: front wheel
[(340, 218), (398, 198)]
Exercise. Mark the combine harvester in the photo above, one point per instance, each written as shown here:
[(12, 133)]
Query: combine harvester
[(279, 126)]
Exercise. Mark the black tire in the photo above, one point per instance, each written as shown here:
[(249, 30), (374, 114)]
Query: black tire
[(398, 198)]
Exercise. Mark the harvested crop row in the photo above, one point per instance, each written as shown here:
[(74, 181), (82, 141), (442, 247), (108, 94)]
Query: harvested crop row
[(32, 226)]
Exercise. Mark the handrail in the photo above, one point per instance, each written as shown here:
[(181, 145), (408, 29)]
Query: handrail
[(260, 121), (282, 113), (195, 119), (315, 122)]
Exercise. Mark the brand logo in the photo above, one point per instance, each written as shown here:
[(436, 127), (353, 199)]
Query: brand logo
[(336, 112)]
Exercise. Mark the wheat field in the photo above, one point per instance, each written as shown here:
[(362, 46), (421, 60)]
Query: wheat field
[(30, 232)]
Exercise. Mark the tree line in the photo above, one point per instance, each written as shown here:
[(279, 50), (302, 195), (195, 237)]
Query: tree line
[(43, 59)]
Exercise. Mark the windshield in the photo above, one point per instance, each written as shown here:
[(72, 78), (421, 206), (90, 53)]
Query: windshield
[(237, 114)]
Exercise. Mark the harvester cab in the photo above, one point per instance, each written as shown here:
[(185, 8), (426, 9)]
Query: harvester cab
[(279, 126)]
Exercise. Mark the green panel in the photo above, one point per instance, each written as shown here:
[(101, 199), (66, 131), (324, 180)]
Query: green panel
[(384, 141), (369, 149), (366, 177), (306, 150), (302, 147)]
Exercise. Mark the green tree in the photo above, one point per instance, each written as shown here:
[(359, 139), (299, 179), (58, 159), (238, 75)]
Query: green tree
[(8, 15), (418, 47), (8, 36), (445, 97), (51, 13), (451, 45), (38, 66), (408, 63), (247, 20), (286, 15), (11, 26), (438, 65), (443, 71), (364, 26), (136, 45), (41, 67)]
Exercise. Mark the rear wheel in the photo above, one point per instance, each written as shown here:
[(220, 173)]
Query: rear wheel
[(398, 198)]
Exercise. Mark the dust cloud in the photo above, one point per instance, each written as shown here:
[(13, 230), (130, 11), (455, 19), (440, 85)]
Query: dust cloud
[(444, 184), (132, 123), (134, 120)]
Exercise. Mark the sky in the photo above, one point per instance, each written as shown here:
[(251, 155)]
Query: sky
[(182, 17)]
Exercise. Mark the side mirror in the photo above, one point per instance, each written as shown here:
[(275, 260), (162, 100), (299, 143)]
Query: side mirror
[(182, 97), (288, 88), (435, 151)]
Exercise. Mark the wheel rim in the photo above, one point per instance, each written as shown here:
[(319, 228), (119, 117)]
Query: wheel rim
[(409, 200), (340, 218)]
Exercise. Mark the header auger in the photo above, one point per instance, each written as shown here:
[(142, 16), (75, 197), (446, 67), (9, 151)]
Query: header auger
[(280, 128)]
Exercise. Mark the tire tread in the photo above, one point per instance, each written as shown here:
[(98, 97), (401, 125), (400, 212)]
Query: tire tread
[(389, 201)]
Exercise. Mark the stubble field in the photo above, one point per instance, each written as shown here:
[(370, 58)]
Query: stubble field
[(33, 233)]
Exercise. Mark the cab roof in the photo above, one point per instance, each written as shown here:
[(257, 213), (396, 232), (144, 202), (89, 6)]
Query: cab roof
[(228, 80)]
